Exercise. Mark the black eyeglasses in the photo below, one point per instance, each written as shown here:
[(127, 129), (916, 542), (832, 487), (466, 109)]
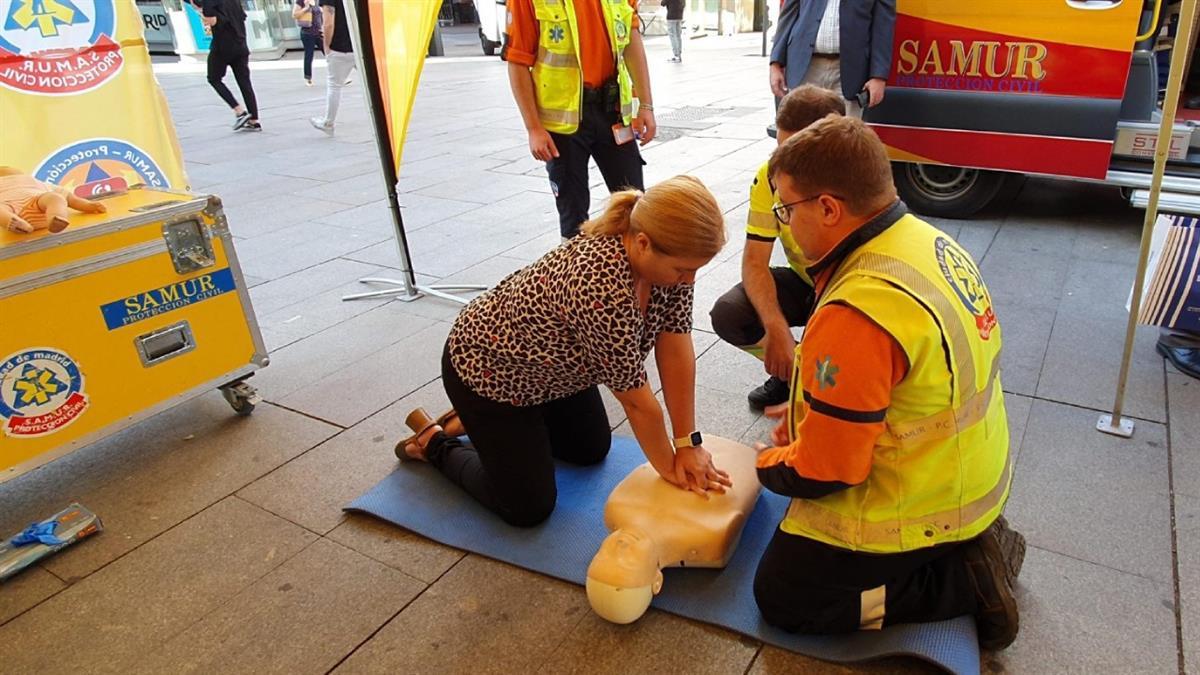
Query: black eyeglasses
[(783, 212)]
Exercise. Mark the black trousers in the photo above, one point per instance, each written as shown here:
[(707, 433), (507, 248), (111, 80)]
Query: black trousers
[(312, 43), (237, 58), (510, 468), (621, 165), (805, 586), (735, 321)]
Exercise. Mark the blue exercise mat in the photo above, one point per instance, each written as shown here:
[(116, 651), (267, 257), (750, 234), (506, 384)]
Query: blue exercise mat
[(417, 498)]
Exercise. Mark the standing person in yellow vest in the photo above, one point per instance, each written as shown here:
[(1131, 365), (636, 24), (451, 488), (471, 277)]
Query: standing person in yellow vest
[(894, 447), (575, 67)]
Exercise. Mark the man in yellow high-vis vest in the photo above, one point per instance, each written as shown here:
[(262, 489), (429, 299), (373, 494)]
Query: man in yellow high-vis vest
[(758, 314), (575, 67), (894, 447)]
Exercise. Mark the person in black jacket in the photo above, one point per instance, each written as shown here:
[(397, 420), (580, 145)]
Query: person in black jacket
[(227, 21), (675, 28)]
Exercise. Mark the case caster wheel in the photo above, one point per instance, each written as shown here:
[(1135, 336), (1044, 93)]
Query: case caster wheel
[(241, 397)]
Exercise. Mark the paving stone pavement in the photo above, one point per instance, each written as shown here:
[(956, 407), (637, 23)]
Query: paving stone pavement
[(227, 550)]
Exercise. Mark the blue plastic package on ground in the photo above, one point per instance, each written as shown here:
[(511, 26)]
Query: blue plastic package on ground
[(22, 549)]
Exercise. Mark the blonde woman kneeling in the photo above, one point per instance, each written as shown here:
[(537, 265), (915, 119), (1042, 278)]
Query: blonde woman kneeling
[(523, 361)]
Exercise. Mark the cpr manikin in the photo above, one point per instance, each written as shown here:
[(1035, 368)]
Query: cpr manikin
[(655, 525)]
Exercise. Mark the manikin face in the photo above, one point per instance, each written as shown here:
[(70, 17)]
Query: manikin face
[(624, 576), (627, 560), (658, 268)]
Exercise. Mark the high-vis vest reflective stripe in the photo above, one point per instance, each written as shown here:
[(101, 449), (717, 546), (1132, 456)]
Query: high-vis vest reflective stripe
[(557, 75), (941, 472)]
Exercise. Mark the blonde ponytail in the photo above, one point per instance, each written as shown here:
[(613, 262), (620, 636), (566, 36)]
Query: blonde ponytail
[(616, 216), (679, 215)]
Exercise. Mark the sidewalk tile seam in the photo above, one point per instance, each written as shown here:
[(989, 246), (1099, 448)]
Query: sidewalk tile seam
[(310, 416), (1102, 566), (1077, 406), (236, 594), (400, 611), (1175, 572), (66, 585)]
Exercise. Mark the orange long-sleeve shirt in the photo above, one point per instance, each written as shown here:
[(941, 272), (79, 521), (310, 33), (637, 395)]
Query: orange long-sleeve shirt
[(841, 393), (596, 57)]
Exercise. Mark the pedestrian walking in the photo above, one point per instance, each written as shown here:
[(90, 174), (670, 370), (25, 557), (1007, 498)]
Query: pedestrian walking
[(309, 18), (227, 21), (339, 61), (675, 28)]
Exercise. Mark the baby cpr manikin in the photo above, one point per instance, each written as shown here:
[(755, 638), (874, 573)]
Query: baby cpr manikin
[(655, 525)]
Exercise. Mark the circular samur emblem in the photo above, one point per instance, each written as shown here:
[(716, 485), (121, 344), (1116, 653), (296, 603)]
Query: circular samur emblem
[(99, 160), (964, 277), (41, 391), (622, 29), (58, 47)]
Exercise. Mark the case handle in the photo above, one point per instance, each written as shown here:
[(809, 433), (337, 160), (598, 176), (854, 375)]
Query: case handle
[(165, 343)]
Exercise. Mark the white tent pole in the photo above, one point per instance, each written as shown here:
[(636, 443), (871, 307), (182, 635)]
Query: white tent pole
[(1113, 423)]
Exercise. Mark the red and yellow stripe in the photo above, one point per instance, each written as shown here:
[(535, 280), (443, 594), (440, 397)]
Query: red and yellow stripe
[(1078, 157)]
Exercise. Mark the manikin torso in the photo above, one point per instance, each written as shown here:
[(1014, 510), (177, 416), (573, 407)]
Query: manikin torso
[(655, 525)]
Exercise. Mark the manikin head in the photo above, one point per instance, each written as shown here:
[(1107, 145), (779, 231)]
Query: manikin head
[(624, 576)]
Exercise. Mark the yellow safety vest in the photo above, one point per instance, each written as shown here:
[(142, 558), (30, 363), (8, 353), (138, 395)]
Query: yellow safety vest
[(557, 74), (941, 472), (761, 222)]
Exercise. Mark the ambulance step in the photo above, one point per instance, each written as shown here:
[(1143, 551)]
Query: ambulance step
[(1141, 181), (1170, 202)]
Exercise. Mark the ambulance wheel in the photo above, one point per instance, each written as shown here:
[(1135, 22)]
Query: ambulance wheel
[(945, 191), (489, 47)]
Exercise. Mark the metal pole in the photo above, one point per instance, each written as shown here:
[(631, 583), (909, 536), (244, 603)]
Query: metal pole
[(1113, 423), (406, 289), (766, 24), (364, 45), (435, 43)]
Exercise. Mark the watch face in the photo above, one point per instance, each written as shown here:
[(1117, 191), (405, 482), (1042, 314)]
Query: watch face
[(697, 439)]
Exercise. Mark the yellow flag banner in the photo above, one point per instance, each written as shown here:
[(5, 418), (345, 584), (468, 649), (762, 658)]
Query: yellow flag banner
[(79, 104), (400, 31), (391, 38)]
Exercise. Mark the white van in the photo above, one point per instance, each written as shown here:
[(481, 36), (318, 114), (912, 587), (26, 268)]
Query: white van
[(492, 19)]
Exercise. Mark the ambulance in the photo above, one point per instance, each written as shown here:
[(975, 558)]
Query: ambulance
[(984, 90)]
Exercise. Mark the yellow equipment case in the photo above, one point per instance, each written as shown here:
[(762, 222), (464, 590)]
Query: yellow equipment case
[(117, 318)]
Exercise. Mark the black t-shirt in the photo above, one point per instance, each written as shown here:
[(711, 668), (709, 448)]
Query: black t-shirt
[(230, 29), (674, 9), (341, 30)]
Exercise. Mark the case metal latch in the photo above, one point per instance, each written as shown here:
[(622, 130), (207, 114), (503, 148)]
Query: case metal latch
[(189, 244)]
